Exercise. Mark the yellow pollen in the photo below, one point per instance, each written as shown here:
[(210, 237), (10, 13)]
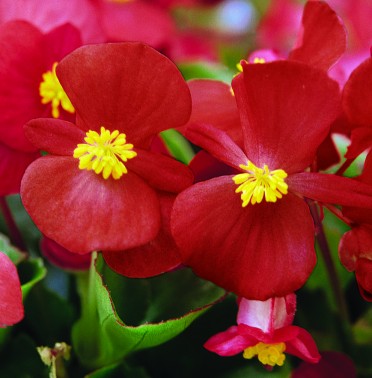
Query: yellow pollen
[(105, 153), (268, 354), (259, 60), (260, 183), (51, 90)]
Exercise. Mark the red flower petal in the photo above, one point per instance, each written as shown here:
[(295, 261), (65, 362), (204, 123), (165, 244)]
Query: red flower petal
[(13, 164), (357, 95), (150, 93), (158, 256), (83, 212), (258, 252), (228, 343), (11, 307), (161, 172), (217, 143), (323, 38), (213, 103), (331, 189), (286, 109), (363, 274), (54, 136)]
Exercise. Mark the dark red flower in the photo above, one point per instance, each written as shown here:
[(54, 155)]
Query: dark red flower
[(97, 190), (11, 307), (265, 330), (265, 249)]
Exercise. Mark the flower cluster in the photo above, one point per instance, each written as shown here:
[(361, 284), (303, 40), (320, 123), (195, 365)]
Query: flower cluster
[(157, 182)]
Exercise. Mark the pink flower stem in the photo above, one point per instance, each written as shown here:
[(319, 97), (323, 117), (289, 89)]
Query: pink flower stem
[(14, 234), (331, 270)]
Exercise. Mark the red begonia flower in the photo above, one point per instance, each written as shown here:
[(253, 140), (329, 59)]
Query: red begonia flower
[(124, 94), (158, 256), (26, 55), (265, 330), (11, 307), (265, 249)]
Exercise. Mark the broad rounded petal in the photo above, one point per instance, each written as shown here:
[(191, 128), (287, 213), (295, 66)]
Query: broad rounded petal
[(158, 256), (21, 67), (136, 21), (331, 189), (323, 38), (357, 95), (160, 171), (286, 109), (54, 136), (303, 346), (257, 252), (83, 212), (227, 343), (150, 93), (11, 307), (213, 103), (217, 143), (13, 164)]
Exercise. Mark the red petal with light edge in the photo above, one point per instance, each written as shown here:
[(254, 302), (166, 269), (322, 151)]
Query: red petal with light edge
[(158, 256), (228, 343), (258, 252), (83, 212), (54, 136), (331, 189), (323, 40), (150, 93), (13, 164), (21, 67), (286, 109), (213, 103), (361, 140), (217, 143), (357, 95), (302, 346), (11, 307), (161, 172)]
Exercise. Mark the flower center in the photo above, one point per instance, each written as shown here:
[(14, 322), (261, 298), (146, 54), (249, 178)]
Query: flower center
[(260, 182), (51, 91), (104, 153), (268, 354)]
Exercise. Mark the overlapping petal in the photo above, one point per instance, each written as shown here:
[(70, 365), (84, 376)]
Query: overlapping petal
[(83, 212), (258, 252), (147, 88), (285, 106)]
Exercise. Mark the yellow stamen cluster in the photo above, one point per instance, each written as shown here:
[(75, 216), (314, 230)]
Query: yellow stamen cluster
[(268, 354), (259, 60), (259, 183), (101, 153), (51, 90)]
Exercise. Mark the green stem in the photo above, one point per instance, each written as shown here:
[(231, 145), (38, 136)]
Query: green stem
[(14, 234), (331, 270)]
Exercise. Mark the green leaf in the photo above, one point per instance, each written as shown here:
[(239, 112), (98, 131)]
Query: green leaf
[(178, 146), (122, 315), (12, 252), (30, 272), (206, 70)]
